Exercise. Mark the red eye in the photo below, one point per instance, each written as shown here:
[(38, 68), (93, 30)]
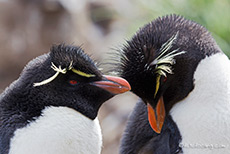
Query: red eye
[(73, 82), (165, 79)]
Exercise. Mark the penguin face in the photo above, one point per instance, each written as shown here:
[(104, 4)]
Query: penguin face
[(160, 60), (68, 77)]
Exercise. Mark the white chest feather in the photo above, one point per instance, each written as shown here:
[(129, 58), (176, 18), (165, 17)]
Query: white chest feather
[(60, 130), (203, 117)]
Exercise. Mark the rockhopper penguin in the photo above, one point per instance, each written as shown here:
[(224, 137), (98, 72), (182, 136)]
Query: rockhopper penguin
[(52, 107), (183, 79)]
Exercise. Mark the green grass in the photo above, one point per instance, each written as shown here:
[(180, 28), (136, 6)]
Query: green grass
[(212, 14)]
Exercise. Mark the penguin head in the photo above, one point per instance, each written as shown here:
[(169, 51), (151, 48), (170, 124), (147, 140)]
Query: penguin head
[(66, 76), (160, 60)]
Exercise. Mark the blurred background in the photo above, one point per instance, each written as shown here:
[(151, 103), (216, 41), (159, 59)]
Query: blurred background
[(28, 28)]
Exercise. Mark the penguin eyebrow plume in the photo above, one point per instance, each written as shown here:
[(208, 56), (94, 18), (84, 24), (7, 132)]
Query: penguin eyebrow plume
[(57, 70), (163, 62), (63, 71), (82, 73)]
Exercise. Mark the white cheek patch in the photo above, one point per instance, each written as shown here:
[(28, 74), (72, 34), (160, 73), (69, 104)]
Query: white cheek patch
[(203, 117), (60, 130)]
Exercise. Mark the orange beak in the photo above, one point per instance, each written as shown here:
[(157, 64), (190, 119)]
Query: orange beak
[(156, 116), (114, 85)]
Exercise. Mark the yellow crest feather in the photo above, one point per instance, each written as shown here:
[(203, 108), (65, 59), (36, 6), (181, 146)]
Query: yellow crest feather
[(82, 73), (163, 63)]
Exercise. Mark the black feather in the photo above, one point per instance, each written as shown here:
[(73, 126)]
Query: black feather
[(22, 103), (141, 51)]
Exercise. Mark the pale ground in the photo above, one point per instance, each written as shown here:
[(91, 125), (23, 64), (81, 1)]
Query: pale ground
[(34, 26)]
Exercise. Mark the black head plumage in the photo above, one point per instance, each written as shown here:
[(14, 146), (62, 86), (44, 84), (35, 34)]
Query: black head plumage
[(138, 54), (62, 55), (66, 77), (159, 62), (45, 81)]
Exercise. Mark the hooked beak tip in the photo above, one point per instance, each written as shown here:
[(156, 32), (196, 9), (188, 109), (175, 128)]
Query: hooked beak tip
[(114, 85), (156, 116)]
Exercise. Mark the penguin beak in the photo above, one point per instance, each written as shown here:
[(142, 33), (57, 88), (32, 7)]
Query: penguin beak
[(156, 116), (114, 85)]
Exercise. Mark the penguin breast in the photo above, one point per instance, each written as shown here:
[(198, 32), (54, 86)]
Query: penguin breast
[(203, 118), (59, 130)]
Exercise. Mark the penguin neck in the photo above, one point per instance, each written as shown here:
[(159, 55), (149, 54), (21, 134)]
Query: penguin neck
[(203, 117)]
